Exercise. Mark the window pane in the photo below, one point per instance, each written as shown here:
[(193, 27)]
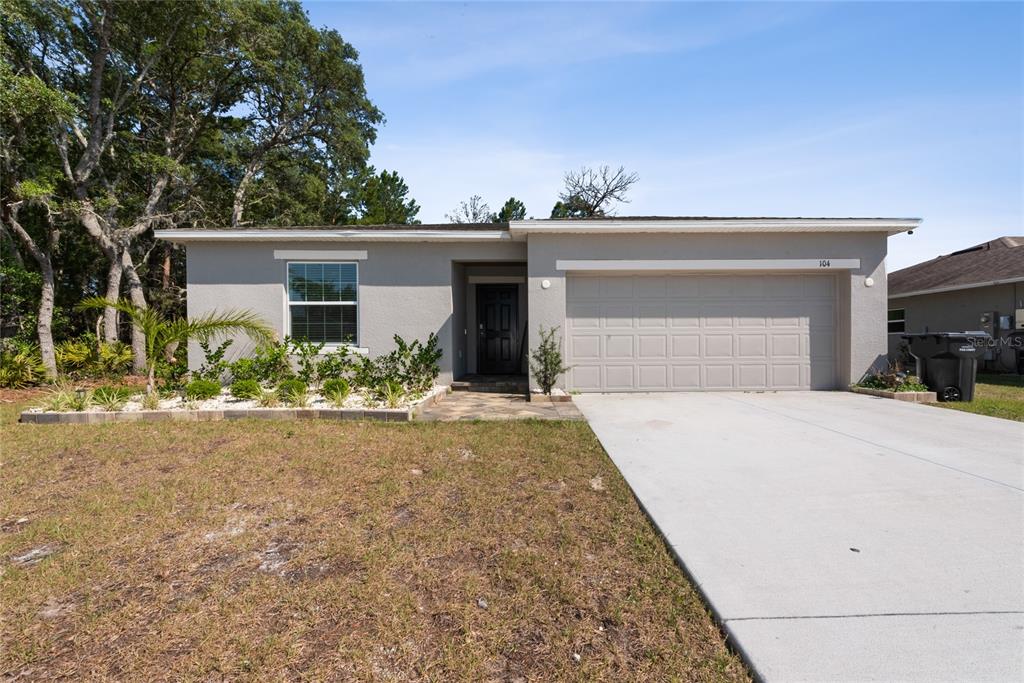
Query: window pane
[(328, 324), (347, 281), (315, 282), (300, 322), (896, 314), (898, 326), (348, 325), (297, 282)]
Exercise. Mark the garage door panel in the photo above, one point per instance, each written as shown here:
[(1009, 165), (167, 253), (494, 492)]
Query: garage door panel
[(654, 315), (786, 345), (719, 377), (618, 346), (619, 377), (617, 315), (616, 288), (686, 377), (585, 347), (752, 345), (586, 377), (679, 287), (652, 377), (786, 376), (582, 287), (686, 346), (718, 346), (652, 346), (583, 315), (753, 376), (651, 287), (706, 332), (683, 315)]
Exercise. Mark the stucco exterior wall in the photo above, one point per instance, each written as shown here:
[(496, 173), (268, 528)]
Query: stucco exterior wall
[(960, 311), (862, 309), (405, 288)]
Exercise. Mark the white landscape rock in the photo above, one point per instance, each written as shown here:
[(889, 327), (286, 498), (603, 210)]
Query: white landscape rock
[(357, 400)]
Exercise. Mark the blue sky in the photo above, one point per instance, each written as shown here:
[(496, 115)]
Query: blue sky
[(810, 109)]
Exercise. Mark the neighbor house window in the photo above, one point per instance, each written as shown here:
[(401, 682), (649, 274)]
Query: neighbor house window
[(322, 302), (897, 320)]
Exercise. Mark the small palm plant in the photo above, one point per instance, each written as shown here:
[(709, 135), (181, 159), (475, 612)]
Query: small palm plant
[(163, 335)]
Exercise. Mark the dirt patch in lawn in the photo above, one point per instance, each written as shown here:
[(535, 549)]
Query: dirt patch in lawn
[(342, 551)]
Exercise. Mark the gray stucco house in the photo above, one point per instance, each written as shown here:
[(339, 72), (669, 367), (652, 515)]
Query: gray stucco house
[(642, 303), (978, 288)]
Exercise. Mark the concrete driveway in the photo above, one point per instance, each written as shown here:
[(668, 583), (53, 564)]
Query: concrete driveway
[(837, 536)]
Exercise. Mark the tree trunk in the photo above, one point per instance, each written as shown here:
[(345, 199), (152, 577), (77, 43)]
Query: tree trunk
[(115, 270), (165, 273), (44, 327), (238, 205), (138, 297), (45, 261)]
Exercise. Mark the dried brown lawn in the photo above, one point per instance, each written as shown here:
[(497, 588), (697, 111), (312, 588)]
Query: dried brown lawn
[(336, 551)]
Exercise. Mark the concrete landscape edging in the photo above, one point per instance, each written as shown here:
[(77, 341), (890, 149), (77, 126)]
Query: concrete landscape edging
[(909, 396), (379, 414)]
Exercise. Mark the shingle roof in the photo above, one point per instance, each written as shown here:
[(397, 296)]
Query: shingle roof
[(390, 226), (999, 259)]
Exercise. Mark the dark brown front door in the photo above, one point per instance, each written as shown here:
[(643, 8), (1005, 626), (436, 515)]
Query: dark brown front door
[(497, 317)]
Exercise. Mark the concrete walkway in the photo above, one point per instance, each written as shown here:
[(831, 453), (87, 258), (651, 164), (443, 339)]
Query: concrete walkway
[(471, 405), (838, 537)]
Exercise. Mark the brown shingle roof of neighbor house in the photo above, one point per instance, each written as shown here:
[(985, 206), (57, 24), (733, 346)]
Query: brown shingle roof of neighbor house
[(994, 261)]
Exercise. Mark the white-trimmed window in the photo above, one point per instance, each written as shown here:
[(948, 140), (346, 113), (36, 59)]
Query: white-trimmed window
[(897, 320), (322, 305)]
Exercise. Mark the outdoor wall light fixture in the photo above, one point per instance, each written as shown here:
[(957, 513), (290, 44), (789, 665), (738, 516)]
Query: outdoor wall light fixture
[(869, 282), (545, 284)]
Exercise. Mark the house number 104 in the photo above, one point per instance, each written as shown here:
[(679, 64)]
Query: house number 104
[(824, 263)]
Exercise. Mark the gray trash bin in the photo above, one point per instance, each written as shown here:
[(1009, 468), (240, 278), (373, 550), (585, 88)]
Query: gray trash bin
[(947, 362)]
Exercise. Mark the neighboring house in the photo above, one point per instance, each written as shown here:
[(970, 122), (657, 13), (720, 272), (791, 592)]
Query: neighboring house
[(643, 304), (980, 288)]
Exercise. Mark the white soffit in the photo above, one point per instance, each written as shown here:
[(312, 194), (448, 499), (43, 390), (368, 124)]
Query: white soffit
[(706, 265)]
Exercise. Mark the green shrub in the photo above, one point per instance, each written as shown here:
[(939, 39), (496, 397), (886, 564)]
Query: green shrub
[(335, 365), (391, 393), (86, 356), (111, 398), (307, 357), (201, 389), (893, 378), (267, 399), (81, 400), (58, 400), (290, 386), (245, 388), (546, 360), (21, 365), (298, 398), (150, 401), (413, 365), (336, 391), (214, 366), (269, 364)]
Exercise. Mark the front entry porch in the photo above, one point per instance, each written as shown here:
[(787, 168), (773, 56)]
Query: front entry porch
[(489, 315)]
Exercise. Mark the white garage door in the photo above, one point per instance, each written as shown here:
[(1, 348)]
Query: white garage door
[(701, 332)]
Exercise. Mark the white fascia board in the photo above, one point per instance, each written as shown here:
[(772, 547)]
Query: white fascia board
[(706, 265), (890, 226), (957, 288), (183, 236)]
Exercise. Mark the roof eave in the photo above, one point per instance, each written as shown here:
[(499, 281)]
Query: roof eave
[(291, 235), (890, 226)]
